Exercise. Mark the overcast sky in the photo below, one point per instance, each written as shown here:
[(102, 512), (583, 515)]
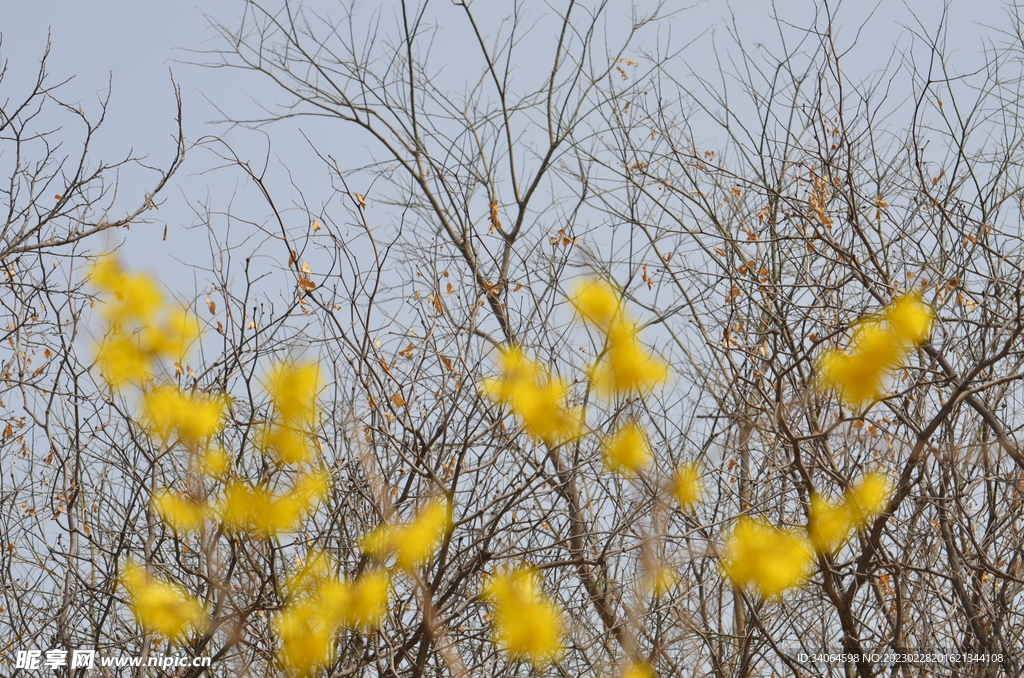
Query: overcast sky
[(133, 45)]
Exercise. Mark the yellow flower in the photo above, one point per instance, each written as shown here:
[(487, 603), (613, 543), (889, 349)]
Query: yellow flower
[(526, 623), (868, 498), (137, 296), (307, 638), (122, 361), (517, 371), (829, 525), (257, 510), (626, 367), (184, 515), (911, 318), (413, 542), (368, 599), (597, 302), (293, 389), (160, 607), (770, 559), (659, 579), (216, 462), (175, 338), (534, 397), (319, 605), (290, 445), (687, 485), (168, 410), (627, 452)]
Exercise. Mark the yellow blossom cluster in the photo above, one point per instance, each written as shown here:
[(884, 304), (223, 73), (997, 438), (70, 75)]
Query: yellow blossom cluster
[(766, 557), (830, 524), (141, 333), (415, 541), (320, 605), (160, 607), (772, 560), (626, 367), (534, 396), (879, 346), (627, 451), (526, 623), (292, 389)]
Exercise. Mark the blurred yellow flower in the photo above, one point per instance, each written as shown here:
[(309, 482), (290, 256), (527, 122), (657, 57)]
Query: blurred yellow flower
[(868, 498), (368, 600), (597, 302), (320, 604), (168, 410), (307, 637), (258, 510), (215, 462), (293, 389), (911, 318), (137, 295), (534, 397), (184, 515), (687, 486), (829, 525), (879, 346), (526, 623), (765, 557), (160, 607), (175, 338), (659, 579), (627, 451), (415, 541), (626, 368), (122, 361), (290, 445)]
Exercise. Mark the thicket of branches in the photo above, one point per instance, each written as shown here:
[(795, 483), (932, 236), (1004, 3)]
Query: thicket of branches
[(749, 221)]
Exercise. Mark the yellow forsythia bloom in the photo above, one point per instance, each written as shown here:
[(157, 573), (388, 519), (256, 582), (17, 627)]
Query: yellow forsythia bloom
[(534, 397), (122, 361), (763, 556), (319, 605), (413, 542), (879, 347), (307, 638), (290, 445), (293, 389), (526, 623), (368, 600), (860, 375), (597, 302), (627, 452), (184, 515), (829, 525), (911, 318), (168, 410), (659, 579), (215, 462), (160, 607), (626, 367), (258, 510), (137, 296), (687, 486), (176, 336), (868, 498)]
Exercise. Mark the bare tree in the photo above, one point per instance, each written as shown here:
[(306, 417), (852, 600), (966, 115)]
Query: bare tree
[(750, 223)]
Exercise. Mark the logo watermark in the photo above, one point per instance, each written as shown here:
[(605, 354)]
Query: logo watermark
[(87, 659)]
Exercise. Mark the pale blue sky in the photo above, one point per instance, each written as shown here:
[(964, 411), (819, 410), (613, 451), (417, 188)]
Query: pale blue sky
[(133, 45)]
